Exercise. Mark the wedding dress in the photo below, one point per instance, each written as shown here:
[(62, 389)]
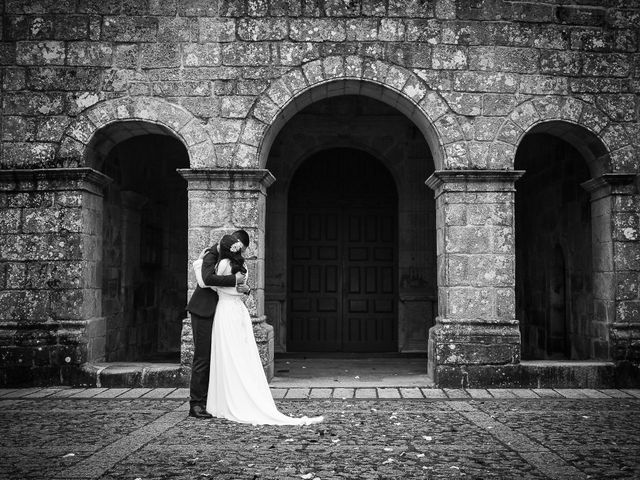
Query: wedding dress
[(238, 388)]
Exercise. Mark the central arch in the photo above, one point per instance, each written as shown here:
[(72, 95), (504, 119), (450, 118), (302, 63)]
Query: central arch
[(360, 127)]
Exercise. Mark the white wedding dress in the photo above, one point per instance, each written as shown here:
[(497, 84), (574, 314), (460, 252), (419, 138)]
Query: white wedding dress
[(238, 388)]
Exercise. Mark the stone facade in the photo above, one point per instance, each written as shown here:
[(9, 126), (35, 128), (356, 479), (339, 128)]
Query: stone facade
[(465, 95)]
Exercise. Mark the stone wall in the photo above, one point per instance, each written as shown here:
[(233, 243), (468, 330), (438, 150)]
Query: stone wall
[(224, 77)]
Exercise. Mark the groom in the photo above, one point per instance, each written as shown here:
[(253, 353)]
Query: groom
[(202, 308)]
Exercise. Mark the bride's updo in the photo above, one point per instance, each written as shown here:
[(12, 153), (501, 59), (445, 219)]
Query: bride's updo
[(231, 248)]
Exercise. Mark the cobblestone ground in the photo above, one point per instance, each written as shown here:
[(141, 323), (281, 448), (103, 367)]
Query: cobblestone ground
[(529, 438)]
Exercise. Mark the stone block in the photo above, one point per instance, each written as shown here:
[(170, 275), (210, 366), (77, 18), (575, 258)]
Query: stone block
[(71, 27), (251, 29), (466, 239), (625, 226), (619, 107), (246, 54), (560, 62), (317, 30), (24, 305), (156, 55), (470, 302), (64, 78), (40, 53), (391, 30), (177, 29), (14, 78), (217, 29), (130, 29), (628, 311), (236, 106), (30, 155), (605, 65), (492, 82), (8, 53), (446, 57), (627, 256)]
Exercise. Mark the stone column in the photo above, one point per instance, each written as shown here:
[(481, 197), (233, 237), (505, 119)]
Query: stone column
[(476, 339), (221, 201), (615, 208), (50, 283)]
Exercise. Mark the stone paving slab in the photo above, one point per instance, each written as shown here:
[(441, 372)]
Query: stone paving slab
[(428, 438), (325, 393)]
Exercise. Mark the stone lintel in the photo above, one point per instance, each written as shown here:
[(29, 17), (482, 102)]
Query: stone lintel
[(57, 179), (473, 180), (228, 179), (610, 183)]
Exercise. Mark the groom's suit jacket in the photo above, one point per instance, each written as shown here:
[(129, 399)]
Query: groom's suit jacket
[(205, 300)]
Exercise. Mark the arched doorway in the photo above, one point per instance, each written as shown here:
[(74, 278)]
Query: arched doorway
[(366, 128), (342, 293), (554, 276), (143, 239)]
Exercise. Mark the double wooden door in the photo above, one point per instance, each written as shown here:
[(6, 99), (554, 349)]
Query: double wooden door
[(342, 243)]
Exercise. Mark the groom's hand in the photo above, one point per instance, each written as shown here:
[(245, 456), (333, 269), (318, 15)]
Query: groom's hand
[(243, 288), (240, 278)]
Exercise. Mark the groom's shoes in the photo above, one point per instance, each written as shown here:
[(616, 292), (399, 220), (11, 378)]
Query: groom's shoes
[(199, 411)]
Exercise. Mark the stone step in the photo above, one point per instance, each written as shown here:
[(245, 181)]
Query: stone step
[(132, 375)]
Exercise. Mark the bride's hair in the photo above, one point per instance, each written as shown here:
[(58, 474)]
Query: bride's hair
[(229, 249)]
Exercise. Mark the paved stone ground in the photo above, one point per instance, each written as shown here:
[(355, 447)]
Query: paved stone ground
[(368, 433)]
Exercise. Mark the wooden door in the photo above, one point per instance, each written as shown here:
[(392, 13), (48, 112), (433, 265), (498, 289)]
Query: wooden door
[(342, 237)]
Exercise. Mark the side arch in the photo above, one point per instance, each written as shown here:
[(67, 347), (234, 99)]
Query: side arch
[(606, 146), (352, 75), (91, 132)]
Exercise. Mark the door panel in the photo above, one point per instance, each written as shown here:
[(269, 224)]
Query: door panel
[(342, 293)]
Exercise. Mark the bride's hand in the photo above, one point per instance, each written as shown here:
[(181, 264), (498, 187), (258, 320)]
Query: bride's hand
[(203, 253)]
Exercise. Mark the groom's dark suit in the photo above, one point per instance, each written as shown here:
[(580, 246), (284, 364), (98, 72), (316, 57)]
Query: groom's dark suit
[(202, 307)]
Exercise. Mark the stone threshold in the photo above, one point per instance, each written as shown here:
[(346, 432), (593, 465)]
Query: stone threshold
[(364, 393), (527, 374)]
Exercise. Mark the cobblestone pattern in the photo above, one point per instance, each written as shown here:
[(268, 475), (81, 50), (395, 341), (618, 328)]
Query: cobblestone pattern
[(408, 438)]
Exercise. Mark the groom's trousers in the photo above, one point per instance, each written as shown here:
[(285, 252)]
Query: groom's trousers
[(202, 328)]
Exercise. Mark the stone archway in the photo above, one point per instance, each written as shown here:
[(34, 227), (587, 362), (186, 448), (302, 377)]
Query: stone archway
[(600, 243), (371, 126), (337, 76), (137, 116), (141, 286)]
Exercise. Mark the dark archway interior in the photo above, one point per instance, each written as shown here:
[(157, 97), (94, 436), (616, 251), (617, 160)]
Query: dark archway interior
[(343, 254), (144, 242), (371, 127), (554, 286)]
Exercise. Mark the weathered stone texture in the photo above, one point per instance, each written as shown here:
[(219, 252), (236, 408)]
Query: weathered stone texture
[(475, 78)]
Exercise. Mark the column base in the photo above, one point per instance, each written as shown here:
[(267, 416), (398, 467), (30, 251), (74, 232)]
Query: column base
[(457, 347)]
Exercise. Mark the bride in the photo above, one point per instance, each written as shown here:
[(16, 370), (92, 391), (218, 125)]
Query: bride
[(238, 388)]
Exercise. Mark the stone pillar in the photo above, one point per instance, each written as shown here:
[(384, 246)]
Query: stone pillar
[(221, 201), (50, 284), (476, 339), (615, 208)]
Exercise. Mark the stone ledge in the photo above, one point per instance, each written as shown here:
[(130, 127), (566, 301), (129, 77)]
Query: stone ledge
[(132, 375), (540, 374)]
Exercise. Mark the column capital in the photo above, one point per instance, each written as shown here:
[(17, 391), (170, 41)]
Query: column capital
[(473, 180), (227, 178), (609, 183), (59, 179)]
